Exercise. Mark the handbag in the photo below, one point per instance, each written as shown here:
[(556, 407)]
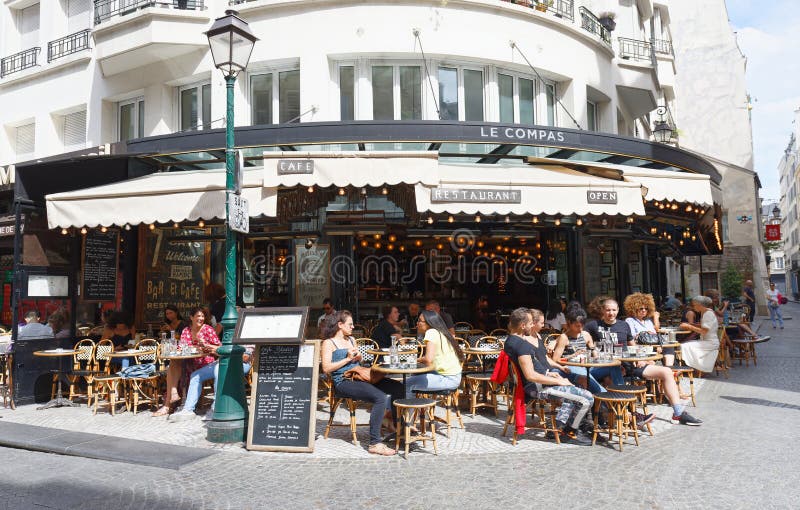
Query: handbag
[(648, 338), (363, 374)]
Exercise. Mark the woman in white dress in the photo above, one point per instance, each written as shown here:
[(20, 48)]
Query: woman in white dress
[(701, 354)]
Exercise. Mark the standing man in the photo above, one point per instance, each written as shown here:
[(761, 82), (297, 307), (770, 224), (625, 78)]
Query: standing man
[(433, 306), (749, 298), (327, 307)]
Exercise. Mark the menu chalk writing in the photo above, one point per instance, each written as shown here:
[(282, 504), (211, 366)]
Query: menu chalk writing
[(171, 272), (100, 262), (283, 405)]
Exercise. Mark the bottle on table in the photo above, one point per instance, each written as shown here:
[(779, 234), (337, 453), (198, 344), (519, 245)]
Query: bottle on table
[(394, 358)]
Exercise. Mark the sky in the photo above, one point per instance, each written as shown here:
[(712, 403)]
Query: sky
[(768, 32)]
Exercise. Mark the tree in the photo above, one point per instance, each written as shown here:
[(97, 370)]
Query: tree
[(732, 281)]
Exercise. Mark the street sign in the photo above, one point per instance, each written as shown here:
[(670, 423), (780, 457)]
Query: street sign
[(238, 213)]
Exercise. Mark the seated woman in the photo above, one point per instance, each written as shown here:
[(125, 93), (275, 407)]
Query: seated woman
[(576, 341), (173, 321), (555, 315), (720, 308), (643, 317), (199, 335), (701, 354), (442, 352), (339, 354)]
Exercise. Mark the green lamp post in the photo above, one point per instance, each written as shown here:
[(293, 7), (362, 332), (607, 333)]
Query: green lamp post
[(231, 43)]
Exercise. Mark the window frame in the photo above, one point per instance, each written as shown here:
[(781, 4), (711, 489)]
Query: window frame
[(202, 124), (461, 90), (396, 94), (275, 71), (338, 67), (592, 105), (138, 111), (540, 106)]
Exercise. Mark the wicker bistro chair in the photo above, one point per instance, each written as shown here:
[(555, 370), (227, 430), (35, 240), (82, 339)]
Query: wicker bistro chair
[(367, 344), (621, 416), (83, 367), (640, 392), (105, 385), (543, 409), (409, 349), (144, 390), (499, 332), (449, 400), (410, 410), (351, 405)]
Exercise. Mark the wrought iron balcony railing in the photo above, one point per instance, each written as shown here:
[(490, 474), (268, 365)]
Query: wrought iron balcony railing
[(19, 61), (560, 8), (68, 45), (663, 46), (590, 23), (635, 49), (107, 9)]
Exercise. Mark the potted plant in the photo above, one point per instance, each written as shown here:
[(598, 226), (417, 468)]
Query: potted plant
[(542, 5), (607, 20)]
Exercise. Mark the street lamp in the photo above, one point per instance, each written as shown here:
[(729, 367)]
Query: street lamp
[(231, 43), (662, 132)]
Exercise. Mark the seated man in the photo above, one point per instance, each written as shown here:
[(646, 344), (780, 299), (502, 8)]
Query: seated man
[(386, 327), (433, 306), (33, 328), (674, 302), (620, 332), (529, 354)]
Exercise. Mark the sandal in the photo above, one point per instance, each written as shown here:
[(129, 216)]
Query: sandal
[(381, 449), (162, 411)]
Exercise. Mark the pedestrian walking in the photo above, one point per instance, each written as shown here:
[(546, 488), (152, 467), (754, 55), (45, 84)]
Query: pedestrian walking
[(774, 305)]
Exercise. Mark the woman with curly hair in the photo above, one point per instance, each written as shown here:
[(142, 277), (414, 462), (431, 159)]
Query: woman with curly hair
[(643, 317)]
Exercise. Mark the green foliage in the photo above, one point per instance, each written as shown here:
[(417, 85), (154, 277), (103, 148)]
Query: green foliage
[(731, 282)]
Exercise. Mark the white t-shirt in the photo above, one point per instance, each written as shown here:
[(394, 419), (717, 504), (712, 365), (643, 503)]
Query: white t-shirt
[(772, 297), (638, 326), (557, 322)]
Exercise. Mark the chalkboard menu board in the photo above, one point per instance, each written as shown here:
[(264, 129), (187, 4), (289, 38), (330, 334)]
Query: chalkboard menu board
[(171, 272), (100, 263), (284, 400)]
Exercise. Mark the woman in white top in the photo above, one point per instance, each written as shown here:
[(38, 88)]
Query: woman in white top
[(702, 354), (774, 305), (555, 316), (643, 316)]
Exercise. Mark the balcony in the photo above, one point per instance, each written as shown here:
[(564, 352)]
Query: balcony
[(130, 34), (19, 61), (68, 45), (663, 47), (635, 49), (591, 24), (559, 8), (105, 10)]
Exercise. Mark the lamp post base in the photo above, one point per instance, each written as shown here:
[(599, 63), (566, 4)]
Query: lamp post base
[(234, 431)]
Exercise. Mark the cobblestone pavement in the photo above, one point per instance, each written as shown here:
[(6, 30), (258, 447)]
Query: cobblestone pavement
[(744, 455)]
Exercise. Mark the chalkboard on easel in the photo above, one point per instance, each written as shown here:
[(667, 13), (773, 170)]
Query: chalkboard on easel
[(284, 399), (100, 263)]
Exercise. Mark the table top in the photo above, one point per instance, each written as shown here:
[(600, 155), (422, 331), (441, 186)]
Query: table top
[(590, 364), (633, 359), (55, 352), (675, 330), (386, 369), (183, 356), (673, 344), (482, 352), (130, 352)]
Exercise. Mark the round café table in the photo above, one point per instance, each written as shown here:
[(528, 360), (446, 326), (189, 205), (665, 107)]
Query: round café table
[(59, 401), (627, 358), (589, 365), (403, 370)]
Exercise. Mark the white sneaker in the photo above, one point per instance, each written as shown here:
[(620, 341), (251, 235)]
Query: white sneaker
[(182, 415), (209, 415)]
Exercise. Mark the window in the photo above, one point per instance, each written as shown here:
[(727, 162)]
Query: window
[(131, 119), (724, 225), (25, 140), (461, 93), (28, 26), (275, 94), (195, 103), (591, 116), (779, 264), (517, 98), (708, 281), (550, 92), (73, 130), (396, 92), (78, 17), (347, 93)]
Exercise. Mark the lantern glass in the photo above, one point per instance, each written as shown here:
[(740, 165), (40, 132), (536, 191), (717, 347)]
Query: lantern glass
[(231, 43)]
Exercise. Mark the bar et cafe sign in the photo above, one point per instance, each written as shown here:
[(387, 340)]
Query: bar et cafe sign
[(480, 196)]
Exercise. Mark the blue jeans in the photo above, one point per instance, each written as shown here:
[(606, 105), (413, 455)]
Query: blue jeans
[(775, 312), (198, 377), (576, 402), (601, 373), (432, 382)]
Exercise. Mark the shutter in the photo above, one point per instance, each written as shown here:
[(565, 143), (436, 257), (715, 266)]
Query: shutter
[(26, 140), (29, 27), (78, 17), (74, 135)]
